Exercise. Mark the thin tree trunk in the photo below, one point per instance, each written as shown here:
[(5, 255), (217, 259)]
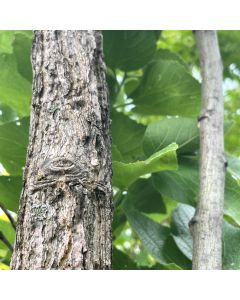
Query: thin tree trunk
[(65, 213), (206, 225)]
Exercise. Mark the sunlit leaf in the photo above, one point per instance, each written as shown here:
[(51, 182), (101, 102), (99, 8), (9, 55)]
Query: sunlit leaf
[(126, 173)]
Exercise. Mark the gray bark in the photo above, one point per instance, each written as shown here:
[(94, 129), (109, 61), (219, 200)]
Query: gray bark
[(206, 225), (65, 214)]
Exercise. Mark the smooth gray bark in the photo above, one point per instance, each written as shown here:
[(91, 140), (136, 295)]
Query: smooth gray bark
[(65, 213), (206, 225)]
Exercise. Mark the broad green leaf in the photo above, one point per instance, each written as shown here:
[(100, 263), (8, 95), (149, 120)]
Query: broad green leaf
[(182, 43), (144, 197), (165, 54), (7, 38), (15, 90), (128, 49), (167, 89), (8, 231), (231, 250), (174, 255), (182, 131), (171, 266), (116, 154), (126, 173), (127, 136), (234, 166), (131, 84), (232, 199), (180, 185), (180, 229), (122, 261), (7, 114), (112, 84), (231, 237), (22, 47), (152, 234), (13, 144), (3, 266), (156, 239), (10, 189), (229, 41)]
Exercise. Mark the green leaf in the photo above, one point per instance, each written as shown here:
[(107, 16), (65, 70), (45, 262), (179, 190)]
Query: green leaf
[(180, 185), (127, 136), (171, 266), (231, 201), (165, 54), (128, 49), (181, 234), (131, 83), (180, 229), (7, 38), (182, 131), (174, 255), (10, 189), (156, 239), (7, 114), (112, 84), (231, 241), (143, 197), (126, 173), (3, 266), (116, 154), (152, 234), (13, 145), (7, 230), (122, 261), (234, 166), (229, 41), (15, 90), (167, 89), (22, 47)]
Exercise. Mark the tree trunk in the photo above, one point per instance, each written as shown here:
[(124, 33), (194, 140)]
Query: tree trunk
[(65, 212), (207, 222)]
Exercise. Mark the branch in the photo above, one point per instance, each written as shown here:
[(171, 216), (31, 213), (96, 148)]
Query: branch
[(5, 241), (10, 218), (206, 225)]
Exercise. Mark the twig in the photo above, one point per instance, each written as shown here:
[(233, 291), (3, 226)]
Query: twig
[(206, 226)]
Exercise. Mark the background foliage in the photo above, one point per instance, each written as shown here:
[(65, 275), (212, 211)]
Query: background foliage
[(154, 87)]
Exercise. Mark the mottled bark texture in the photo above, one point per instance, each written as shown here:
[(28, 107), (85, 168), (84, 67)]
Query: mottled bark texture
[(65, 212), (207, 223)]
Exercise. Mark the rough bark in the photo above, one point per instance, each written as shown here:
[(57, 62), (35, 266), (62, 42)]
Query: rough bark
[(65, 214), (206, 225)]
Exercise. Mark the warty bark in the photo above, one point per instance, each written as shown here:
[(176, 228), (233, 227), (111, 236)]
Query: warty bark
[(65, 214)]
